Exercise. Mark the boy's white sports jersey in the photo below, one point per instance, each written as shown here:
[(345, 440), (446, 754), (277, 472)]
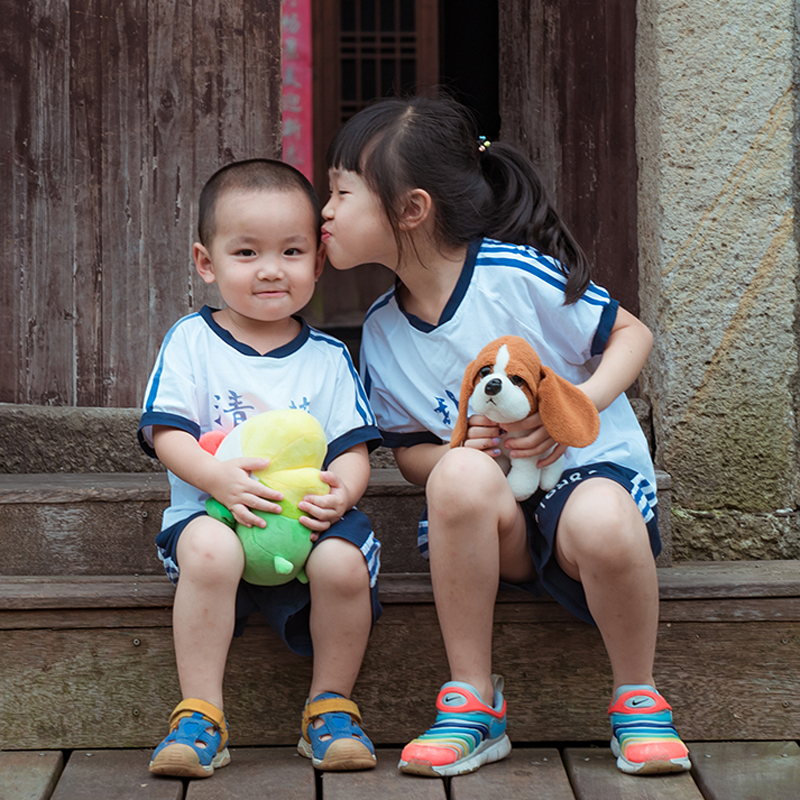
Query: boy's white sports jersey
[(413, 370), (205, 380)]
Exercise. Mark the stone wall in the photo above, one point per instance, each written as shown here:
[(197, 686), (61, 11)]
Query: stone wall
[(718, 253)]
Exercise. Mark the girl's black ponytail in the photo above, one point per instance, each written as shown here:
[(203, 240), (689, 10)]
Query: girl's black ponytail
[(521, 213)]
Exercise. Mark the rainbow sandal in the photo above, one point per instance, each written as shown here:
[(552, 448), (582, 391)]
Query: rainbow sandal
[(644, 739), (196, 744), (339, 743)]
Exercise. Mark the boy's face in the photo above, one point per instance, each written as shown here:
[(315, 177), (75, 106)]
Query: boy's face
[(264, 256)]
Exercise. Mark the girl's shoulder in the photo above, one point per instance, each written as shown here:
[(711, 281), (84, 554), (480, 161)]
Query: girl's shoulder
[(524, 257)]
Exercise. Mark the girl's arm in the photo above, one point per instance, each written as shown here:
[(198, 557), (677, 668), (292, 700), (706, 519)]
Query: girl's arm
[(348, 476), (228, 482), (626, 351)]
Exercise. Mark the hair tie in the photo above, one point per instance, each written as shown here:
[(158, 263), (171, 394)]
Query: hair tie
[(483, 144)]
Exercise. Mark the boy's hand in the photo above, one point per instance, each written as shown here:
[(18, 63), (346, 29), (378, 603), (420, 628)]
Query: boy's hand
[(535, 443), (325, 509), (239, 493)]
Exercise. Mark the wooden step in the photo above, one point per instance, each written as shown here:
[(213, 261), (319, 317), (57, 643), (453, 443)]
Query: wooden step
[(88, 662), (722, 771), (105, 523)]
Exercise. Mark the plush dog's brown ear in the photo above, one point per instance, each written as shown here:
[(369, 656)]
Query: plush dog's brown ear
[(568, 415), (467, 385)]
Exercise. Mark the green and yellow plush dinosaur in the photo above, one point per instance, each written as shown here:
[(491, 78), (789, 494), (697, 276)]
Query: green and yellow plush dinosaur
[(295, 444)]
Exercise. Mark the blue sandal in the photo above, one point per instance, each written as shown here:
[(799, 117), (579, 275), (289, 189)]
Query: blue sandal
[(339, 743), (196, 744)]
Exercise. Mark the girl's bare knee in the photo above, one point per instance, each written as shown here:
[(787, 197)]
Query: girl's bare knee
[(601, 524), (464, 478)]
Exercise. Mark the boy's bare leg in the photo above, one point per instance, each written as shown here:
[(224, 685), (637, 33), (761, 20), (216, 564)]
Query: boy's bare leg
[(341, 615), (211, 563), (476, 533), (602, 541)]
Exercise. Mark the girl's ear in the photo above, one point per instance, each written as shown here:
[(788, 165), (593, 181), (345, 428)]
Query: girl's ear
[(202, 261), (416, 209)]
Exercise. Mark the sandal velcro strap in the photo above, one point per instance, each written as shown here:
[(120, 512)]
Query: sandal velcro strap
[(327, 706), (195, 705)]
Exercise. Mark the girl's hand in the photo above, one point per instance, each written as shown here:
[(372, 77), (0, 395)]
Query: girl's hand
[(535, 443), (483, 434), (232, 486), (324, 510)]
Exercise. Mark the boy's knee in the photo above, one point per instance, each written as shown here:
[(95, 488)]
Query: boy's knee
[(209, 550), (337, 565)]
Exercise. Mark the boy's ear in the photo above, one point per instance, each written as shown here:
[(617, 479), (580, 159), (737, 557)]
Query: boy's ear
[(416, 209), (320, 262), (202, 261)]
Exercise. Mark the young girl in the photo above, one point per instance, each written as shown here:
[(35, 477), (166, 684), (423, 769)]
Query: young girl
[(479, 253)]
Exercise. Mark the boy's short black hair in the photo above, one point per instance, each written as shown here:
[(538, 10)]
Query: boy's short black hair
[(259, 174)]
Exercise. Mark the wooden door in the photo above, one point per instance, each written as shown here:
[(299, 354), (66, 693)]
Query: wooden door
[(567, 98), (363, 49)]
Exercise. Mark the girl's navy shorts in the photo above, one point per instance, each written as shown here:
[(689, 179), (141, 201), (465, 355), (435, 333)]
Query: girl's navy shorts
[(286, 607), (542, 512)]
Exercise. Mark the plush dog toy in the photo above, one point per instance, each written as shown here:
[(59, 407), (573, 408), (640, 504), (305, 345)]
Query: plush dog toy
[(295, 444), (507, 383)]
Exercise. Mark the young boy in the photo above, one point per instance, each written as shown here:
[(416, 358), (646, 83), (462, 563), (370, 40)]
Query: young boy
[(259, 242)]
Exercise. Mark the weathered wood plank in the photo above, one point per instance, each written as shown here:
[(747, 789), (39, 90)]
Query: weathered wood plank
[(258, 773), (707, 579), (594, 776), (29, 775), (118, 774), (86, 142), (385, 781), (551, 53), (16, 222), (556, 685), (747, 770), (48, 311), (527, 774), (82, 591)]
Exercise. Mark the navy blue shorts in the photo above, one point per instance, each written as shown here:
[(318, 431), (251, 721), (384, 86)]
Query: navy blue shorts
[(286, 607), (542, 512)]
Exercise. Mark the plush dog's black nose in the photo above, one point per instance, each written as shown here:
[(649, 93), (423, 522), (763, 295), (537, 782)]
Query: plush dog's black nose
[(493, 387)]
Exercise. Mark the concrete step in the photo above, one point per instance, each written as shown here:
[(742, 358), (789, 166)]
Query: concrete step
[(105, 523)]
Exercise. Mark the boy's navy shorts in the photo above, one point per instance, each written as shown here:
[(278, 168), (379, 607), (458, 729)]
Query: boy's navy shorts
[(542, 512), (286, 607)]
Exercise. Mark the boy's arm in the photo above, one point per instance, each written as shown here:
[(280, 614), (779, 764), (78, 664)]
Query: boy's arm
[(228, 482), (348, 476)]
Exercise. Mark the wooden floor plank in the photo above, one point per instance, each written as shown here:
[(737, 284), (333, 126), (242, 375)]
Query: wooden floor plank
[(595, 776), (385, 782), (747, 770), (114, 774), (258, 773), (527, 774), (29, 775)]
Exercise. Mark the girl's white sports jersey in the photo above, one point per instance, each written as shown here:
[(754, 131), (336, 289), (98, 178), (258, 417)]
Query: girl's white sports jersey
[(413, 370), (205, 380)]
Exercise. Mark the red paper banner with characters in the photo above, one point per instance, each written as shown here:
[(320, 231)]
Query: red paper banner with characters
[(297, 86)]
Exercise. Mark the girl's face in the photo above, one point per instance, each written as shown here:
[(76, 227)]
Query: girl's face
[(356, 229)]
